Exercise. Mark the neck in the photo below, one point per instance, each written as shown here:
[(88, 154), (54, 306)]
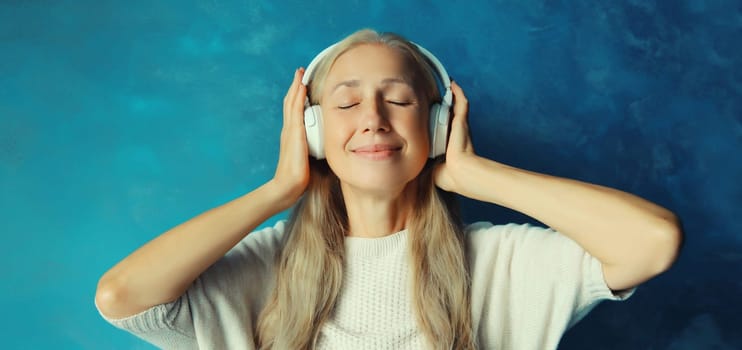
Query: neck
[(374, 215)]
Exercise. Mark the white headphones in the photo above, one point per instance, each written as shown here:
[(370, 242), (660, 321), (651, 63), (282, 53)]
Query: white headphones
[(439, 112)]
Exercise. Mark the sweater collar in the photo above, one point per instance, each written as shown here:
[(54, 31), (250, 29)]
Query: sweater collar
[(360, 246)]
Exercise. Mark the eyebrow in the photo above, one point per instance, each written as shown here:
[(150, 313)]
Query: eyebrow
[(356, 83)]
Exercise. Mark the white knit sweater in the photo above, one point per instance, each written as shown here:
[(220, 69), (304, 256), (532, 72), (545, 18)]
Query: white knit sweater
[(529, 285)]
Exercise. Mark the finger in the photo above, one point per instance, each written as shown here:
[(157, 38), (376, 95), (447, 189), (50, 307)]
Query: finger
[(297, 107), (460, 103), (292, 88), (291, 94), (297, 104), (459, 124)]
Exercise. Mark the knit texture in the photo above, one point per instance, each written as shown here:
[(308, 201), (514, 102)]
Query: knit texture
[(529, 285), (374, 309)]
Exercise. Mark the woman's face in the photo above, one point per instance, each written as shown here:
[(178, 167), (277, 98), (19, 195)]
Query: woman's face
[(376, 124)]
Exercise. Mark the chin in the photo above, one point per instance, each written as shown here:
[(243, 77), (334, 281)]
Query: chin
[(379, 178), (379, 182)]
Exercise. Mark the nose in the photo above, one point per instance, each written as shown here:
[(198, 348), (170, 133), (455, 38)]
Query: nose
[(375, 117)]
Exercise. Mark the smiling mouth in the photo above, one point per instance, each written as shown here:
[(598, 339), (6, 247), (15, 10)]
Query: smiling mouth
[(377, 148), (377, 152)]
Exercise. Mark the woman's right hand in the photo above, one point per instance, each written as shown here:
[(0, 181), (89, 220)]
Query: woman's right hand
[(292, 172)]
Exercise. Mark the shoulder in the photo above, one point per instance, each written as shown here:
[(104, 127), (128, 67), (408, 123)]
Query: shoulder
[(258, 247), (517, 241), (269, 237), (250, 260), (484, 231), (529, 250), (242, 279)]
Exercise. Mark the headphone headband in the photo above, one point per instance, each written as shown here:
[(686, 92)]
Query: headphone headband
[(438, 67)]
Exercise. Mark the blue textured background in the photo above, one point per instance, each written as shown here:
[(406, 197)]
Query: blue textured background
[(119, 120)]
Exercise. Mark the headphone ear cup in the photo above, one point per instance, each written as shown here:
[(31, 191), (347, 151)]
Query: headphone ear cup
[(314, 126), (438, 129)]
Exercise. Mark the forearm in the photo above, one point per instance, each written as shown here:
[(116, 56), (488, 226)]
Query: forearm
[(616, 227), (164, 268)]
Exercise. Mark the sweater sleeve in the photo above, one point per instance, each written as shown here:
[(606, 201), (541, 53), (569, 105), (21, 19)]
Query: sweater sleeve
[(530, 284), (220, 309)]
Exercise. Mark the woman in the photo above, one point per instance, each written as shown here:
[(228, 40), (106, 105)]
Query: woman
[(373, 255)]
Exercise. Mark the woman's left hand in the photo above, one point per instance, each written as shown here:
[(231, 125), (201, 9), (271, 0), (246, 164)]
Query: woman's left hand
[(460, 151)]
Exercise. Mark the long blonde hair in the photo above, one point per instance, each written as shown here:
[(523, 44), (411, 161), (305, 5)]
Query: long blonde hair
[(313, 251)]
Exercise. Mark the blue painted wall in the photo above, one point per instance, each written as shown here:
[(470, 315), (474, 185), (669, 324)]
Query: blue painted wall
[(119, 120)]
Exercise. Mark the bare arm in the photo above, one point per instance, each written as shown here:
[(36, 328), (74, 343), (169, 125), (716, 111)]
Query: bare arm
[(633, 238), (161, 270)]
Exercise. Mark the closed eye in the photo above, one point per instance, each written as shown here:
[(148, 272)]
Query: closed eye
[(400, 103), (348, 106)]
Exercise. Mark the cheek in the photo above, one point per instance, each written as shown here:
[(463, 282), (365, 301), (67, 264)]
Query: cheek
[(420, 127), (332, 127), (336, 135)]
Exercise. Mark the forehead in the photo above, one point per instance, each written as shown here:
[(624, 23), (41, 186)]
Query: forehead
[(370, 60)]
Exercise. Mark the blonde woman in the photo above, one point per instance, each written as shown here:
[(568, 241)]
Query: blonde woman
[(373, 255)]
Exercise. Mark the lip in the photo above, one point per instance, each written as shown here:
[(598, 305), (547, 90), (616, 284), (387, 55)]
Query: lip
[(377, 151), (377, 147)]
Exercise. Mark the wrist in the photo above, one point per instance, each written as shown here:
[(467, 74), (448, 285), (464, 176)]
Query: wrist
[(282, 195), (475, 175), (463, 173)]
